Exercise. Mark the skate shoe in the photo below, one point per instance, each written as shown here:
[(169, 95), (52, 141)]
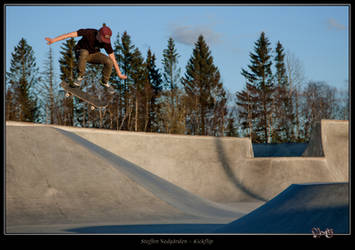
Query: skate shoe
[(107, 86), (77, 82)]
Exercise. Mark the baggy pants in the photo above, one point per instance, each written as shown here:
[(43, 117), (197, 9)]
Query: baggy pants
[(83, 57)]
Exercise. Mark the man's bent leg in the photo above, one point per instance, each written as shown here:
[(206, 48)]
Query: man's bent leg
[(82, 56), (99, 58)]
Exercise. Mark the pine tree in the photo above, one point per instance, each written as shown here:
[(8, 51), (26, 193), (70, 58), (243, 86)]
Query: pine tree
[(22, 80), (171, 100), (232, 119), (218, 118), (231, 129), (204, 90), (152, 90), (68, 68), (247, 103), (138, 77), (171, 74), (283, 107), (281, 76), (49, 91), (10, 113), (258, 93), (68, 64), (124, 50)]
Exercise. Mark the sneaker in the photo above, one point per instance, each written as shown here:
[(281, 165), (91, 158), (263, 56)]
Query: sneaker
[(107, 86), (77, 82)]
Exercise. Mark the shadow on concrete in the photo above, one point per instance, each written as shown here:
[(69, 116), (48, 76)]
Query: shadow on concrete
[(262, 221), (297, 210), (227, 167), (148, 229)]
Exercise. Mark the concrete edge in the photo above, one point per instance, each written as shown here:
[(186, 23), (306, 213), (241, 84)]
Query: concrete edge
[(109, 131)]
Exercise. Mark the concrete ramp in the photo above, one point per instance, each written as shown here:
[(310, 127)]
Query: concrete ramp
[(298, 210), (162, 189), (56, 177), (330, 139), (50, 179), (64, 177), (219, 169), (335, 143), (203, 165), (315, 147)]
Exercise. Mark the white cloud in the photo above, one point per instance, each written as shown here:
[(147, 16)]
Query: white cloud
[(334, 24), (187, 34)]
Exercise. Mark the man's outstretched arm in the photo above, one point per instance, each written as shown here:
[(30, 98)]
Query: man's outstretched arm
[(61, 37), (118, 71)]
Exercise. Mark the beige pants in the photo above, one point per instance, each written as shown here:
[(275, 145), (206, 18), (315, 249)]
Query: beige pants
[(83, 57)]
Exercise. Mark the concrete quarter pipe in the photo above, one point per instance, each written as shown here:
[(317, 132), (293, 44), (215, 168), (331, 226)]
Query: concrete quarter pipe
[(297, 210)]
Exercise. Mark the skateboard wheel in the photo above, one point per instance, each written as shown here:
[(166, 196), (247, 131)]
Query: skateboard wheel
[(92, 107)]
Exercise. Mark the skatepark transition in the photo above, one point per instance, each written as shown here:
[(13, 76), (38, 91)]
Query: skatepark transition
[(78, 180)]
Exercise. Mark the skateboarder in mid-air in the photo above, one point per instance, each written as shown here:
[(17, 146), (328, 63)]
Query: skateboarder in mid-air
[(88, 50)]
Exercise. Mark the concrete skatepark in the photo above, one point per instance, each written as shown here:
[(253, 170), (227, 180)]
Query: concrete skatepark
[(64, 180)]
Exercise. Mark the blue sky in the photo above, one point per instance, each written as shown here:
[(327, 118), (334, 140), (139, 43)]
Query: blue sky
[(318, 36)]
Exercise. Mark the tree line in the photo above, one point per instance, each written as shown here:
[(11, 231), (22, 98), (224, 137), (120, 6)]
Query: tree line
[(276, 105)]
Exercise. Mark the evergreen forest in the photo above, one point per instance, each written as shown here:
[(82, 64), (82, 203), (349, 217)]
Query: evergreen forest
[(276, 105)]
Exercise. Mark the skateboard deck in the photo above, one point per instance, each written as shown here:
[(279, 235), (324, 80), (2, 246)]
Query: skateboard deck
[(94, 101)]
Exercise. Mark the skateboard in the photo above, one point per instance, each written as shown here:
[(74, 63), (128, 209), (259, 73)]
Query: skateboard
[(94, 101)]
